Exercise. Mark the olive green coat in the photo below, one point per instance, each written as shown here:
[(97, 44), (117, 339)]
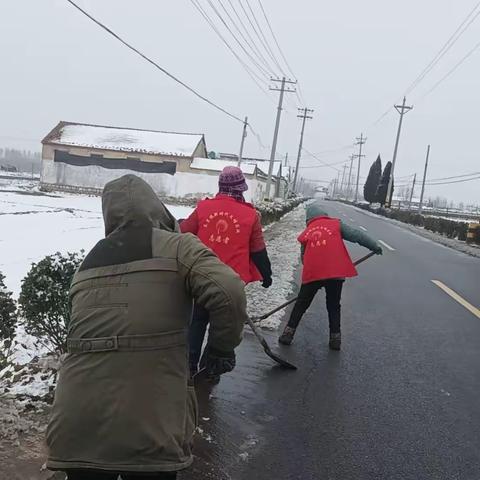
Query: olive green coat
[(123, 400)]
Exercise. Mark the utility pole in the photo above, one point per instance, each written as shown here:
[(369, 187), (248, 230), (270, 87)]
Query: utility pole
[(420, 206), (342, 184), (244, 135), (286, 159), (411, 192), (402, 110), (282, 91), (349, 188), (335, 185), (304, 115), (360, 142)]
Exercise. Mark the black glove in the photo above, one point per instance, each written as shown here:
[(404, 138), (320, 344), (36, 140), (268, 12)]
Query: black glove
[(262, 262), (267, 282), (217, 362), (378, 250)]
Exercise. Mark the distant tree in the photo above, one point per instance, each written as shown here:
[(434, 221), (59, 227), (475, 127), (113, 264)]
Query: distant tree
[(373, 180), (381, 195)]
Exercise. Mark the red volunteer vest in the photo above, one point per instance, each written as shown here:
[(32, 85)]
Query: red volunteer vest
[(225, 226), (325, 253)]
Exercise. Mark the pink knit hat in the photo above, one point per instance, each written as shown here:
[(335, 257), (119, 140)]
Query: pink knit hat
[(232, 179)]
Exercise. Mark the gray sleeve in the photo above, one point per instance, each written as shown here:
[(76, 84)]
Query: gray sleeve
[(355, 235)]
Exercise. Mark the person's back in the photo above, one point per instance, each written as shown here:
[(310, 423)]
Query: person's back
[(326, 264), (123, 401), (231, 228), (225, 226)]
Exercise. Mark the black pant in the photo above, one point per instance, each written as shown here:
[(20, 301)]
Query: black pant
[(101, 475), (196, 335), (333, 290)]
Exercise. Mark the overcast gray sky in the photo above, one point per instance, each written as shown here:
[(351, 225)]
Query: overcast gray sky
[(353, 60)]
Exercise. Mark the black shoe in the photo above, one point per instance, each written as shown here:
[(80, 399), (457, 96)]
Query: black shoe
[(286, 338), (335, 341)]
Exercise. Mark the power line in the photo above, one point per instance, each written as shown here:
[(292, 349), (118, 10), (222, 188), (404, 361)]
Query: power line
[(156, 65), (275, 38), (453, 181), (252, 74), (253, 43), (440, 54), (255, 29), (267, 45), (260, 67), (335, 150), (455, 176), (260, 58), (450, 72), (300, 94), (445, 48), (325, 164)]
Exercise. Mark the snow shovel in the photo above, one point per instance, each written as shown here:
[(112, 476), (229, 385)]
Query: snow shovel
[(262, 340), (281, 361)]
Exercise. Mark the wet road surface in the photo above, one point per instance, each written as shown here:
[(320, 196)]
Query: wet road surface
[(400, 401)]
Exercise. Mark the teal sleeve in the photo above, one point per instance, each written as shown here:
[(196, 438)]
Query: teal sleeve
[(355, 235)]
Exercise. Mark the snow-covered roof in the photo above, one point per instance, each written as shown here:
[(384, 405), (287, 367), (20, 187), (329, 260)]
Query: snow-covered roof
[(261, 163), (219, 165), (124, 139), (264, 166)]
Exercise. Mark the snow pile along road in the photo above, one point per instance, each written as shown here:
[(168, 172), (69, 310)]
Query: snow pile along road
[(284, 252)]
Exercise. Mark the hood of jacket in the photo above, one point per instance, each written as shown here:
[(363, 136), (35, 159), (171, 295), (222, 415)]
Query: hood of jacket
[(315, 210), (130, 200)]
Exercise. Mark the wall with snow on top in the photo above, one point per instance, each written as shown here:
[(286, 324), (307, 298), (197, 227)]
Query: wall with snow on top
[(182, 184)]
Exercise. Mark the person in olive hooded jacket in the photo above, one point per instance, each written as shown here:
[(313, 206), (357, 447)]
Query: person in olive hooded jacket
[(326, 264), (124, 402)]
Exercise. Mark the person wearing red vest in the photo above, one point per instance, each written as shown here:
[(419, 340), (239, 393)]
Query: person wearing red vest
[(231, 228), (326, 264)]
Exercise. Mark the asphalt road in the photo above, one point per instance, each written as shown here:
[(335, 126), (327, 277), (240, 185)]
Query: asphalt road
[(400, 401)]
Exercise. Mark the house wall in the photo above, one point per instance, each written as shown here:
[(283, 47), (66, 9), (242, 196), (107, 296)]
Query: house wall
[(92, 178)]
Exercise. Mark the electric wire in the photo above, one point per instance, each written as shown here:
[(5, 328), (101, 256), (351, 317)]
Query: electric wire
[(251, 42), (265, 41), (446, 47), (451, 71), (300, 93), (253, 75), (247, 53), (155, 64)]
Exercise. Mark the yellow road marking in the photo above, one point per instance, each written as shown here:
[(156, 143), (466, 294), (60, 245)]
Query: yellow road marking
[(458, 298)]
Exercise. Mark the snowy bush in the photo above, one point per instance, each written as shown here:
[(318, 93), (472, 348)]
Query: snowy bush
[(44, 303), (271, 211), (8, 322)]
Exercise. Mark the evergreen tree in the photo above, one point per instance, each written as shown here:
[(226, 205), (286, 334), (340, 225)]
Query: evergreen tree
[(383, 185), (373, 180)]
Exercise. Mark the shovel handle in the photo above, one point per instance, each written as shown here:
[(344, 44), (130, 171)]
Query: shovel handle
[(291, 300)]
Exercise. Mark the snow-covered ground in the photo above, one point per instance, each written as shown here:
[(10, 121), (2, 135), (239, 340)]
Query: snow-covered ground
[(33, 226)]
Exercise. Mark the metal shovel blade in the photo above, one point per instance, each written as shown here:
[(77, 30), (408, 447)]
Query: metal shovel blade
[(281, 361)]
